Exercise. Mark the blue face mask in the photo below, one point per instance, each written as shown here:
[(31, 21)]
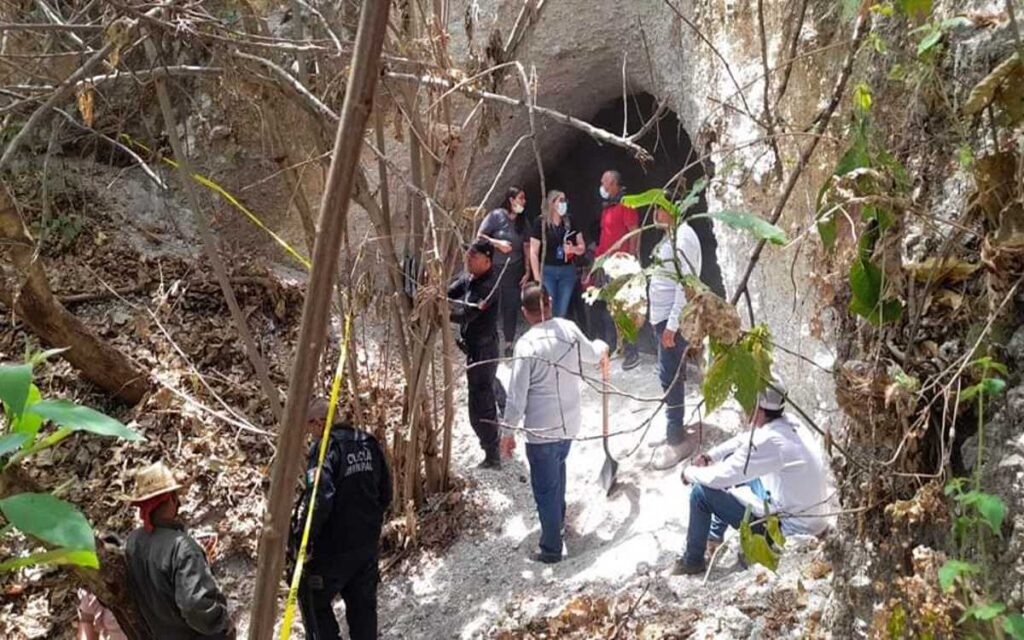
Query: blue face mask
[(604, 193), (562, 207)]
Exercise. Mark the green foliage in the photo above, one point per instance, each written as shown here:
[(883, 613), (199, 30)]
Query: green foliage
[(650, 197), (915, 9), (896, 627), (42, 516), (983, 612), (866, 289), (954, 569), (742, 369), (932, 33), (755, 224), (755, 546), (1014, 625)]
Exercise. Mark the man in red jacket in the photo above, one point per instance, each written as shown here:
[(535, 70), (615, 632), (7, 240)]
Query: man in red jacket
[(617, 221)]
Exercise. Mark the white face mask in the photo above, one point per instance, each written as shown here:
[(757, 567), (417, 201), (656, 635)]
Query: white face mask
[(517, 208), (562, 207), (604, 193)]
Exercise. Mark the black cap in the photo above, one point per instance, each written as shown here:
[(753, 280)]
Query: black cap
[(482, 246)]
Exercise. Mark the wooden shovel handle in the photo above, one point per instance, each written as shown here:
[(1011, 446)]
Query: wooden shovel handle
[(604, 397)]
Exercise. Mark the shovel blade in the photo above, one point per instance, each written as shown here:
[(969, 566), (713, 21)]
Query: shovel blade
[(608, 473)]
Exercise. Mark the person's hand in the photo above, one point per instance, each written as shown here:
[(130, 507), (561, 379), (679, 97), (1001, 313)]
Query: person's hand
[(702, 460), (668, 339), (507, 446), (525, 280), (682, 476), (503, 246)]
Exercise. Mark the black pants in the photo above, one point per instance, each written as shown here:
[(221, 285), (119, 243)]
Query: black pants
[(483, 408), (353, 577), (510, 300)]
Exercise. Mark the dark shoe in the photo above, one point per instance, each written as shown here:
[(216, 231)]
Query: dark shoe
[(546, 558), (630, 361), (490, 461), (682, 568)]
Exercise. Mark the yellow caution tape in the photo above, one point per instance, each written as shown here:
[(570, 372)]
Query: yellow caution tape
[(300, 558), (233, 201)]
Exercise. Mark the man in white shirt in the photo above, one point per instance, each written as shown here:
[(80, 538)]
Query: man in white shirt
[(677, 255), (780, 462), (544, 393)]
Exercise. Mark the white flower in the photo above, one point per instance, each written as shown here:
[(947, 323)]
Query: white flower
[(592, 295), (621, 264)]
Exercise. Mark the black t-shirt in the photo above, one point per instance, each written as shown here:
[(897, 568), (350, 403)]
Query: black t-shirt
[(554, 252), (474, 307)]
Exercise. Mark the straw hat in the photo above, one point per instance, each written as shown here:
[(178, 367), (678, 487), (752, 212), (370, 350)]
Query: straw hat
[(152, 481)]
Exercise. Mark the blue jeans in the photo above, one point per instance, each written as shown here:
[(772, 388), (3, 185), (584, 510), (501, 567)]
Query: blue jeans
[(560, 280), (712, 511), (547, 477), (672, 374)]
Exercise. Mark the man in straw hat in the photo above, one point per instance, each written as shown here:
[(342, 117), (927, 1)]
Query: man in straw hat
[(167, 570), (351, 500), (779, 463)]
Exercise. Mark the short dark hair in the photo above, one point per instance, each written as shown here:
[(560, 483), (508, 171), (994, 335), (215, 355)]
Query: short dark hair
[(317, 408), (535, 298), (772, 414)]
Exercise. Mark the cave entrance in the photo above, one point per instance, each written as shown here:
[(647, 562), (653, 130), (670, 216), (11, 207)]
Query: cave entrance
[(577, 171)]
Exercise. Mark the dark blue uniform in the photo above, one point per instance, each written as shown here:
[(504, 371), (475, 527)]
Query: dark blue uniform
[(354, 494)]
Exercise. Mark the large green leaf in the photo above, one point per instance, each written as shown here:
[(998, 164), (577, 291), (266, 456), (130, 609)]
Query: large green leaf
[(80, 557), (1014, 625), (745, 373), (11, 442), (746, 221), (988, 386), (866, 290), (79, 418), (717, 383), (15, 380), (953, 569), (755, 547), (774, 527), (49, 519), (654, 197)]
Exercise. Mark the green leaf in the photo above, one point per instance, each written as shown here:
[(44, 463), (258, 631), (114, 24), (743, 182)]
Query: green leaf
[(49, 519), (29, 423), (755, 224), (827, 231), (932, 38), (865, 285), (987, 362), (11, 442), (988, 386), (627, 327), (862, 98), (693, 197), (755, 547), (991, 508), (774, 527), (80, 557), (1014, 625), (983, 612), (15, 380), (953, 569), (717, 383), (744, 371), (42, 356), (79, 418), (654, 197)]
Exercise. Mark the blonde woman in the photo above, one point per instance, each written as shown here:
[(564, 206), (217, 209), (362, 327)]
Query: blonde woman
[(554, 243)]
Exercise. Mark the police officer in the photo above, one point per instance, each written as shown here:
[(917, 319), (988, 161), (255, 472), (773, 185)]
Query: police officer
[(474, 308), (354, 494)]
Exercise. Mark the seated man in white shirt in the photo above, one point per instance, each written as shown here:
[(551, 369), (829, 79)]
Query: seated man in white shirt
[(544, 392), (779, 463)]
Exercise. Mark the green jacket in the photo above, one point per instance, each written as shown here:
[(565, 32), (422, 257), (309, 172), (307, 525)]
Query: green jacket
[(172, 585)]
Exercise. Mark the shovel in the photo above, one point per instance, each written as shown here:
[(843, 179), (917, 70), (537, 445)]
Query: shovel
[(610, 467)]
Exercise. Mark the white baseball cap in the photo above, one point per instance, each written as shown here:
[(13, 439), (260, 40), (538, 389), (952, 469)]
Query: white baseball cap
[(773, 398)]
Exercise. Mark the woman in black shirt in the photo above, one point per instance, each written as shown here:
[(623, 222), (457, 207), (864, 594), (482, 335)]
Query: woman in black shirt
[(506, 229), (554, 244)]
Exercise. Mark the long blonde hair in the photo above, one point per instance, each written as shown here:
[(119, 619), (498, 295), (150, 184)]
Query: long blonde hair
[(550, 202)]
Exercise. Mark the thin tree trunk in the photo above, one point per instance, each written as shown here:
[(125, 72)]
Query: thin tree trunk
[(27, 294), (363, 75)]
